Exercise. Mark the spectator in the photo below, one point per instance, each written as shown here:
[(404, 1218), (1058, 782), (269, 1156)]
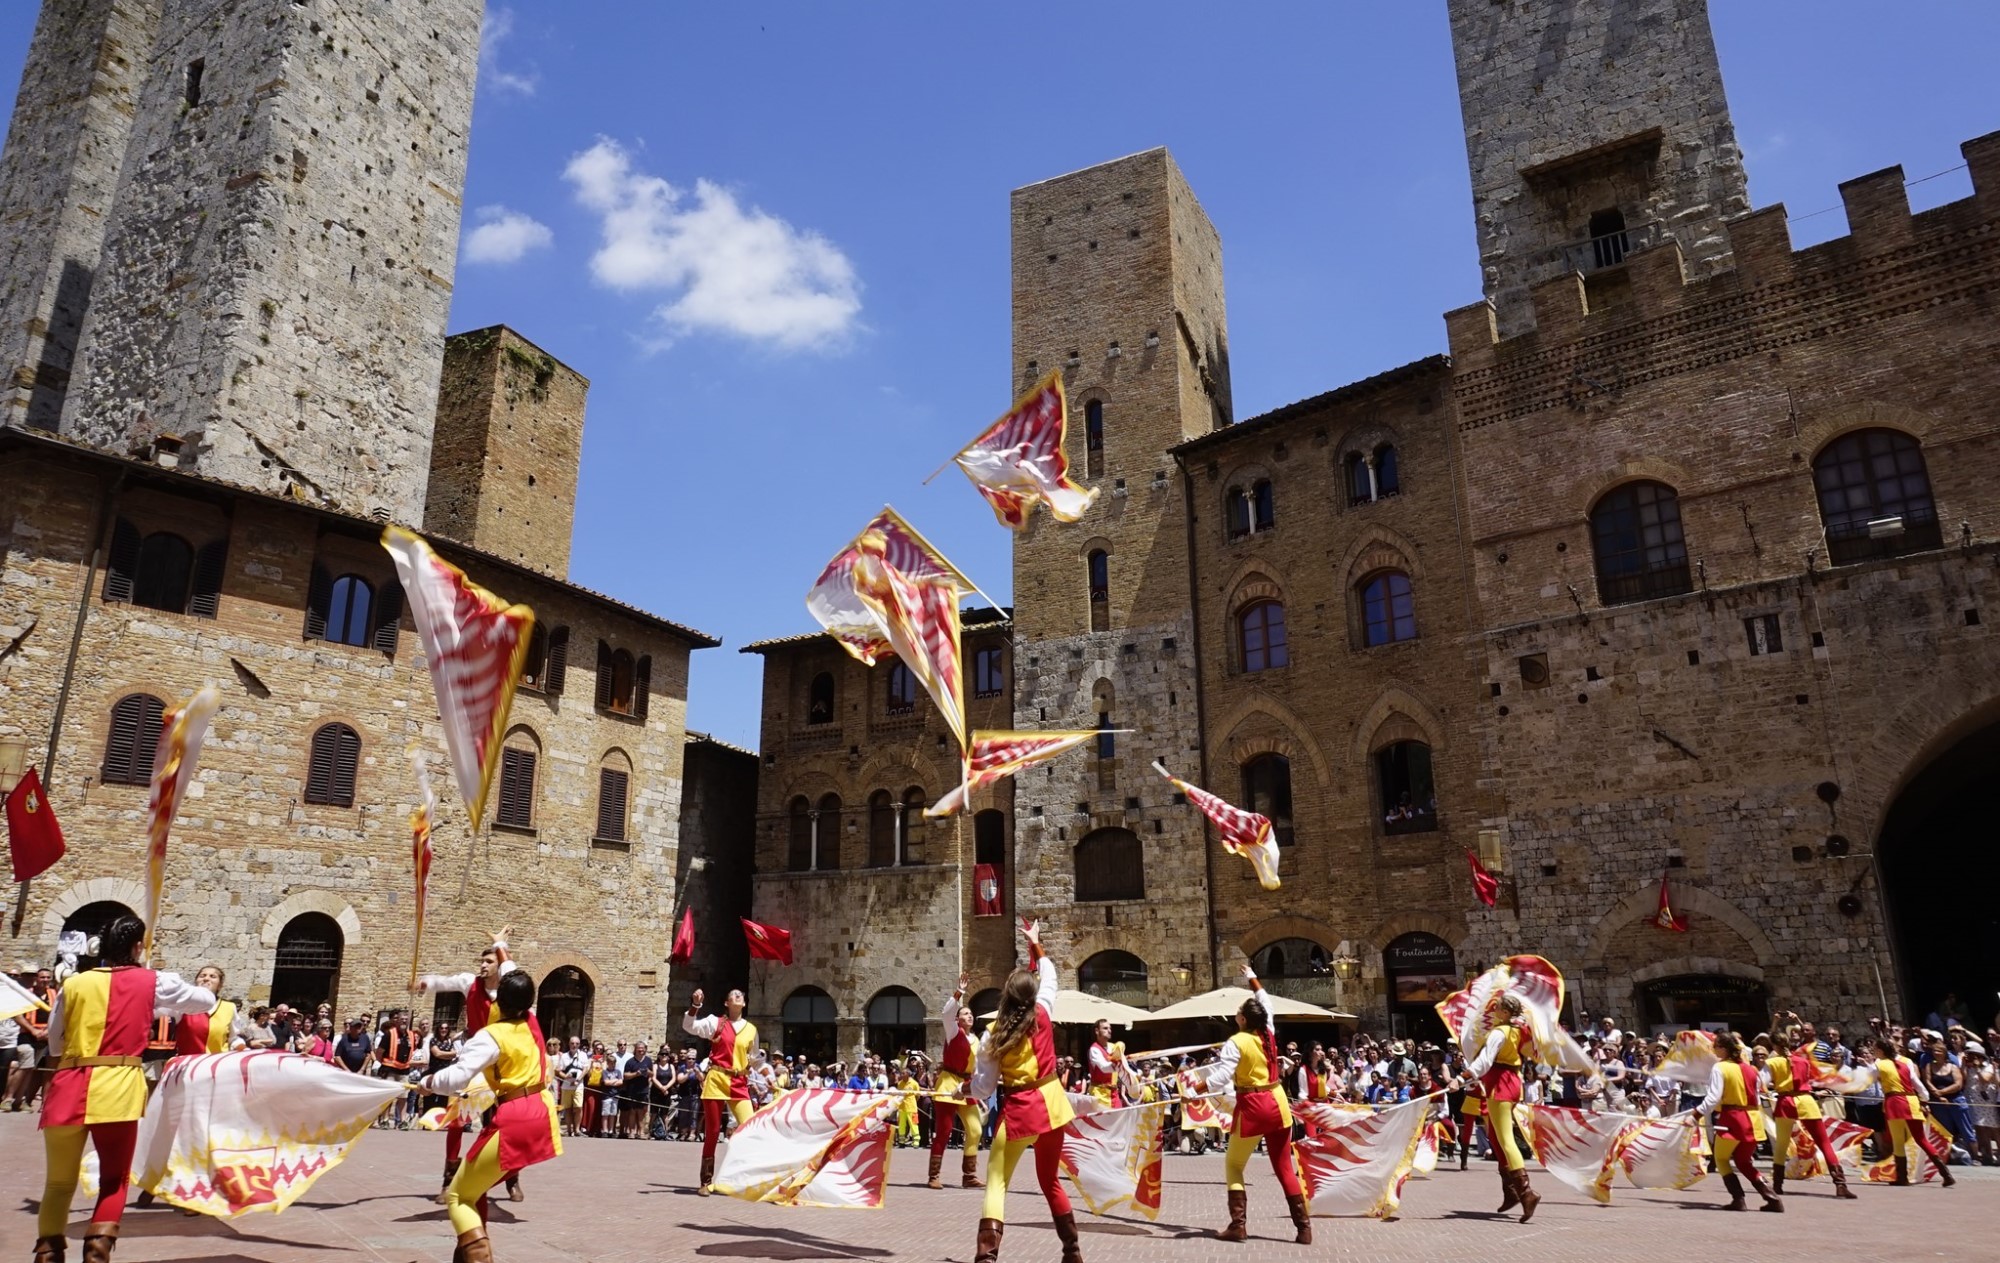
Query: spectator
[(613, 1084), (1982, 1096), (393, 1050), (353, 1049), (571, 1068), (320, 1046), (635, 1094)]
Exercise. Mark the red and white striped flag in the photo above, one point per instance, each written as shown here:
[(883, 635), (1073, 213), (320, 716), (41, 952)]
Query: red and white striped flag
[(889, 591), (1471, 1014), (181, 733), (1113, 1156), (1355, 1162), (1243, 832), (1018, 461), (421, 818), (995, 756), (825, 1147), (475, 643)]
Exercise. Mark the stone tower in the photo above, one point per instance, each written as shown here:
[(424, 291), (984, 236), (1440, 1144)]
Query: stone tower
[(504, 455), (275, 268), (1592, 130), (1117, 278)]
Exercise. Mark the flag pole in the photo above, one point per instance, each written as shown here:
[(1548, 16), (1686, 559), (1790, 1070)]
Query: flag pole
[(947, 465)]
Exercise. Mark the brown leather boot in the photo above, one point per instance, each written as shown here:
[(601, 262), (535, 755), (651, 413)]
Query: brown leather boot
[(514, 1193), (1239, 1211), (1902, 1171), (1509, 1199), (969, 1170), (1301, 1218), (473, 1247), (1735, 1187), (99, 1239), (450, 1173), (1525, 1192), (1840, 1189), (1944, 1171), (1777, 1176), (1464, 1156), (1072, 1252), (50, 1249), (1771, 1201), (937, 1171), (990, 1232), (707, 1175)]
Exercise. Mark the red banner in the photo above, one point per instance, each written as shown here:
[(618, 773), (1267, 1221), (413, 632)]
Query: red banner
[(683, 949), (34, 839), (767, 942), (1484, 884), (988, 895), (1018, 462)]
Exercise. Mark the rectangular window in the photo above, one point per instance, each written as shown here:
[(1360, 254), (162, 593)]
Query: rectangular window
[(1765, 634), (612, 787), (988, 677), (193, 82), (516, 807)]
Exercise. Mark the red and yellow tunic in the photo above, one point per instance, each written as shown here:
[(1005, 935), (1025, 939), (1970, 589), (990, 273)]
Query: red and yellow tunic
[(956, 1067), (205, 1032), (1261, 1106), (1502, 1079), (729, 1049), (1792, 1079), (107, 1022), (522, 1118), (1473, 1106), (1104, 1072), (1736, 1101), (1898, 1079), (1032, 1100)]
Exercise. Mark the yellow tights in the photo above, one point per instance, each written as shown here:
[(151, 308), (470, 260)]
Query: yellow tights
[(1000, 1161), (1500, 1131), (480, 1173)]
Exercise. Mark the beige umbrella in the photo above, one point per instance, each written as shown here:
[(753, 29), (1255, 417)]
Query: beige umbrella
[(1080, 1008), (1225, 1001)]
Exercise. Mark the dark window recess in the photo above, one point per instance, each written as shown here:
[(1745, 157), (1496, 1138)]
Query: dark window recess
[(1107, 740), (388, 617), (989, 678), (1251, 509), (211, 561), (613, 786), (1765, 634), (535, 663), (1093, 439), (1267, 790), (166, 573), (1110, 864), (826, 847), (134, 738), (516, 807), (618, 678), (902, 698), (881, 830), (1388, 609), (1360, 487), (642, 686), (913, 826), (1388, 473), (558, 669), (330, 770), (1261, 636), (1636, 532), (799, 839), (191, 83), (1875, 497), (1100, 590), (1608, 242), (121, 568), (1409, 798), (819, 699)]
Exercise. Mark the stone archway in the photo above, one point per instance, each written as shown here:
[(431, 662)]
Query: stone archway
[(1645, 978), (82, 893)]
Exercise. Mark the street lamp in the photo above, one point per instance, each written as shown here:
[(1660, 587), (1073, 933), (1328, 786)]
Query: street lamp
[(1347, 968)]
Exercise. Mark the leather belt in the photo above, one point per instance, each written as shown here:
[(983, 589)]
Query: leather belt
[(77, 1063), (1267, 1087), (1036, 1086), (504, 1095)]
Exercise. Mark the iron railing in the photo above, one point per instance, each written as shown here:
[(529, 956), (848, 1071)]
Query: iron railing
[(1594, 254)]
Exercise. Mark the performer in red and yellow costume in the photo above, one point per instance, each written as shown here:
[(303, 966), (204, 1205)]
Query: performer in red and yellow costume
[(1902, 1094), (1498, 1070), (1732, 1099), (510, 1052), (1018, 1057), (731, 1040), (1471, 1113), (480, 989), (1791, 1073), (210, 1032), (1108, 1073), (954, 1071), (98, 1032), (1249, 1062)]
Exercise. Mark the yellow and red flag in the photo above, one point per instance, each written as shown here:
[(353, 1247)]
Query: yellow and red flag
[(1113, 1156), (1473, 1013), (995, 756), (34, 839), (1666, 918), (889, 591), (1243, 832), (421, 818), (1355, 1161), (1018, 461), (824, 1147), (181, 733), (475, 643)]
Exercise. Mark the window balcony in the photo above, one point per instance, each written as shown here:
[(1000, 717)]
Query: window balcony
[(1594, 254), (1915, 530)]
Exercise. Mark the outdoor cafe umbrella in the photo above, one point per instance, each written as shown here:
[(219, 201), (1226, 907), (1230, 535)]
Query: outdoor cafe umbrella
[(1080, 1008), (1225, 1001)]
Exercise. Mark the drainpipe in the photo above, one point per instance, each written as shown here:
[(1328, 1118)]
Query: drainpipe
[(1200, 715)]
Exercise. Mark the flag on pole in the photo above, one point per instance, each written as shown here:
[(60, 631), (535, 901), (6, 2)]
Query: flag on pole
[(986, 893), (1576, 1146), (1113, 1156), (889, 592), (1355, 1161), (422, 817), (1018, 461), (994, 756), (181, 733), (1243, 832), (1691, 1060), (824, 1147), (1198, 1112), (1473, 1013), (1661, 1152), (767, 942), (683, 949), (16, 999), (1484, 884), (34, 839), (475, 644), (1666, 918)]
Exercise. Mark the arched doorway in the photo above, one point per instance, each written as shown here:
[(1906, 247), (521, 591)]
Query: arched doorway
[(562, 1004), (306, 973), (1298, 969), (808, 1022), (1422, 970), (895, 1023), (1709, 1002), (1939, 870), (1116, 976), (91, 920)]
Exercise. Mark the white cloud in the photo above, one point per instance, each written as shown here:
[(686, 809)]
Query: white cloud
[(727, 268), (494, 28), (503, 236)]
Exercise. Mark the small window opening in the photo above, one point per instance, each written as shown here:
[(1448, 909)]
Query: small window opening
[(193, 85)]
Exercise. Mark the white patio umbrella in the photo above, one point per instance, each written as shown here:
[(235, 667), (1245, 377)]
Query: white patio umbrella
[(1224, 1001), (1080, 1008)]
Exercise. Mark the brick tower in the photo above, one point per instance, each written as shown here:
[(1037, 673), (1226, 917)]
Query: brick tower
[(1592, 130), (1118, 282)]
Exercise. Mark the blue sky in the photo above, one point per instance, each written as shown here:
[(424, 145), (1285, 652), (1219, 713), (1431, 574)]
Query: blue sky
[(782, 259)]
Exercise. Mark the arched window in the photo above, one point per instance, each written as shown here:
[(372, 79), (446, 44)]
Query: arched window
[(1115, 976), (881, 829), (826, 833), (91, 921), (166, 573), (1100, 589), (1267, 790), (307, 971), (163, 572), (989, 671), (348, 605), (1388, 609), (1291, 958), (330, 771), (1360, 485), (799, 843), (902, 699), (562, 1004), (819, 699), (348, 610), (1875, 497), (1636, 533), (895, 1022), (910, 823), (1608, 242), (1093, 439), (535, 662), (808, 1020), (133, 740), (1110, 864), (1252, 509), (1409, 797), (548, 659), (1261, 636), (1388, 477)]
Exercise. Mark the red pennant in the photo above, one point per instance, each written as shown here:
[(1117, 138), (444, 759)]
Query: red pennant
[(1484, 884), (986, 891), (33, 836), (767, 942), (1666, 918), (683, 949)]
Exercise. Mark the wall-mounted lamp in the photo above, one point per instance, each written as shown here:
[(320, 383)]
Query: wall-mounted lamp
[(1184, 972), (1347, 968)]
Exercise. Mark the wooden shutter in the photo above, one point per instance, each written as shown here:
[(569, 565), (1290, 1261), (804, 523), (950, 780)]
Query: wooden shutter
[(612, 785), (642, 685), (606, 686), (535, 666), (558, 660), (319, 767), (122, 567), (388, 616), (319, 595), (210, 561), (133, 740), (346, 762), (517, 788)]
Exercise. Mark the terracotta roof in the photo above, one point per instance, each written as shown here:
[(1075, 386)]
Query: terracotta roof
[(1340, 394), (704, 738), (980, 617)]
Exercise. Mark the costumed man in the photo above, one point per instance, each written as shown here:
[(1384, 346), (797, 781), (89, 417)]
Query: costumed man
[(1902, 1094), (509, 1052), (1791, 1074), (1017, 1058), (730, 1042), (1498, 1071), (1731, 1099), (1249, 1063), (1107, 1061), (480, 989), (98, 1031), (954, 1070)]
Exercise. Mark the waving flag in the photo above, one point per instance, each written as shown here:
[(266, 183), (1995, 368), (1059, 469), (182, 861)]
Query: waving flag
[(1113, 1156), (475, 643), (1355, 1160), (182, 730), (1018, 461), (421, 818), (1197, 1112), (1666, 918), (994, 756), (1691, 1060), (34, 839), (888, 592), (1484, 884), (1471, 1014), (813, 1147), (683, 949), (1576, 1146), (16, 999), (767, 942), (1661, 1152), (1243, 833)]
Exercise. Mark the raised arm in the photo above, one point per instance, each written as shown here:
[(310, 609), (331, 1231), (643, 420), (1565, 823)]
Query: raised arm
[(174, 995), (953, 1005), (1045, 969), (433, 984)]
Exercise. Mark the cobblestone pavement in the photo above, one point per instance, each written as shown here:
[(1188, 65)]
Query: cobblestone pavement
[(609, 1201)]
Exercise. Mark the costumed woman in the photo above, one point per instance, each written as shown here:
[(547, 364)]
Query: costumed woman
[(1018, 1057), (480, 989), (1732, 1095), (1791, 1074), (1498, 1070), (98, 1031), (1249, 1061), (731, 1040), (1902, 1095), (954, 1070)]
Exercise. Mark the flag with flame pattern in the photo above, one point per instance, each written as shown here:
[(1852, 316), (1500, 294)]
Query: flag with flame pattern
[(181, 732), (1473, 1013), (1243, 832), (422, 816), (1113, 1156), (825, 1147), (1355, 1159), (1018, 461), (995, 756)]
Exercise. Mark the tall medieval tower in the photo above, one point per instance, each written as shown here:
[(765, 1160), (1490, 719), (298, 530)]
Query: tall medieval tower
[(1592, 130), (244, 219), (1117, 282)]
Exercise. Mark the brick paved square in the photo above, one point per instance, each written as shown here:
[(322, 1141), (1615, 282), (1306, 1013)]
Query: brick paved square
[(609, 1201)]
